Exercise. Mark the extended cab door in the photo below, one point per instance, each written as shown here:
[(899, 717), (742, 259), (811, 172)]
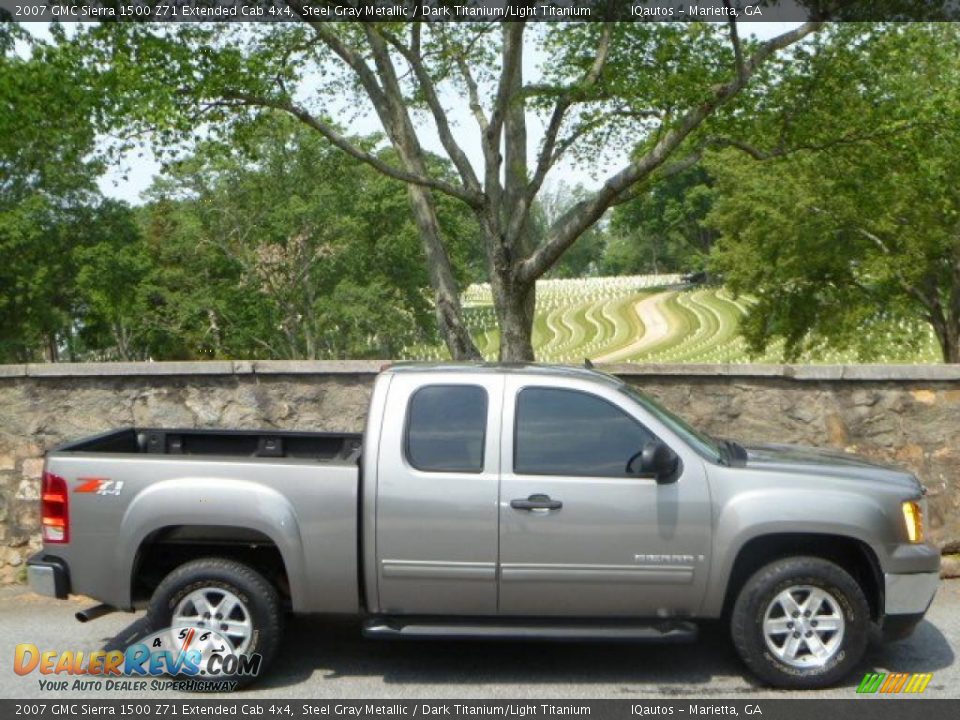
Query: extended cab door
[(579, 536), (436, 503)]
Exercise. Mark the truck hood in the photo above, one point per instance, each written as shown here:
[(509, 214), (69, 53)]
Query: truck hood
[(832, 463)]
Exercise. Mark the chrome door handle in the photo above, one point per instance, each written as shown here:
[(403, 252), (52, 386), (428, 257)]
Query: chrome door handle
[(536, 502)]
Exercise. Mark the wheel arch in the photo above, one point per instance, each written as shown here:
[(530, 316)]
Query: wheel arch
[(167, 548), (222, 518), (850, 553)]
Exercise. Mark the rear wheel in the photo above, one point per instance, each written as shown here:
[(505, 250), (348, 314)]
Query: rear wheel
[(228, 598), (801, 622)]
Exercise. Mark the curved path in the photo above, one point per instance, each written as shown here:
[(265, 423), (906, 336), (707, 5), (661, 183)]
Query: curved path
[(656, 325)]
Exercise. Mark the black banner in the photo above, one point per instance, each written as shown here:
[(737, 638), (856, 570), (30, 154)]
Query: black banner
[(478, 10), (872, 708)]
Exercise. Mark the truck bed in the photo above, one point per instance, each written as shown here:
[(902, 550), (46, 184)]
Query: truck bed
[(328, 446)]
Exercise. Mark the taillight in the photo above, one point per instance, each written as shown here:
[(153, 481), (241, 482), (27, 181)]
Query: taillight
[(53, 509)]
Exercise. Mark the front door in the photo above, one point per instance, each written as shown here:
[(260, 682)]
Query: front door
[(436, 502), (581, 536)]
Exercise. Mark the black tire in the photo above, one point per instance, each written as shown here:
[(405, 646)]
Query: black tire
[(256, 593), (746, 622)]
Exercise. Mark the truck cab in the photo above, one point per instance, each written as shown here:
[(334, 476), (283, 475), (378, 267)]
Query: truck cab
[(522, 493)]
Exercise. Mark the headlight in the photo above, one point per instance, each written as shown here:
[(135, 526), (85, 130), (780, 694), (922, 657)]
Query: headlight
[(913, 518)]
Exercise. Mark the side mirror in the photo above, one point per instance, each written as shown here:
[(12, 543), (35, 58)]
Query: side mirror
[(656, 460)]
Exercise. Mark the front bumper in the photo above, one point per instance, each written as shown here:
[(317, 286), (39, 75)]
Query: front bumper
[(48, 575), (910, 593)]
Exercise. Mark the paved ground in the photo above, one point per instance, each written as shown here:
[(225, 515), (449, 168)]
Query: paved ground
[(322, 658)]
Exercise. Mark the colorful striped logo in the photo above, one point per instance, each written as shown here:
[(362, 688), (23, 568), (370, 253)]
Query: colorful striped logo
[(894, 683)]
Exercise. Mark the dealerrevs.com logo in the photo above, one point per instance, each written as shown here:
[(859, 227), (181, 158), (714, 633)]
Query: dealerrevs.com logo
[(179, 658)]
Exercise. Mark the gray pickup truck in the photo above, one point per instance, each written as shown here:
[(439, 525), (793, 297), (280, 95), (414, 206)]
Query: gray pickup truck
[(486, 501)]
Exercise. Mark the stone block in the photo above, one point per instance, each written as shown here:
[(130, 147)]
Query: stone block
[(32, 468)]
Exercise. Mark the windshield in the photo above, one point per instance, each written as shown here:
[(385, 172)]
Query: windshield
[(699, 441)]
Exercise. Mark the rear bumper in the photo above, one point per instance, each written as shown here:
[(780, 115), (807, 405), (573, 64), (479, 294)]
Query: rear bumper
[(48, 575)]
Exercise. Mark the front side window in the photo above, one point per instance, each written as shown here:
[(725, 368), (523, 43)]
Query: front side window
[(699, 441), (568, 432), (446, 428)]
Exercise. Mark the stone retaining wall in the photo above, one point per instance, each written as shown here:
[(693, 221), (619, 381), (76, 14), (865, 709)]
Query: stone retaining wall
[(905, 414)]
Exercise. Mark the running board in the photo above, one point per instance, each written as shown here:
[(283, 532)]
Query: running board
[(393, 628)]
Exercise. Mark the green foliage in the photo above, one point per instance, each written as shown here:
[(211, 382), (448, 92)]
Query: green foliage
[(46, 181), (68, 278), (264, 241), (283, 248), (662, 229), (656, 72), (110, 262), (846, 241), (46, 136)]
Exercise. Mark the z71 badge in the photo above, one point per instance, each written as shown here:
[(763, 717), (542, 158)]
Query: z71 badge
[(100, 486)]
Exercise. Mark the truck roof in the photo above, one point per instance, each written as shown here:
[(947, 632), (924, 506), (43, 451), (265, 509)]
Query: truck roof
[(565, 371)]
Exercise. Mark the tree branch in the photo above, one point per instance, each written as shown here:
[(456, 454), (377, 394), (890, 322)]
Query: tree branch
[(454, 151), (491, 140), (667, 171), (473, 94), (473, 90), (735, 41), (343, 143), (761, 154), (346, 53), (582, 215), (931, 304), (547, 158), (379, 96), (512, 42)]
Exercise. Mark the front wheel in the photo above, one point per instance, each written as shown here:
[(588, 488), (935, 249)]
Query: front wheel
[(230, 600), (801, 623)]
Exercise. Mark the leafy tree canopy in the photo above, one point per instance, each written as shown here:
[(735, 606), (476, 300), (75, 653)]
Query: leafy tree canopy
[(280, 247), (847, 238), (662, 229), (47, 179)]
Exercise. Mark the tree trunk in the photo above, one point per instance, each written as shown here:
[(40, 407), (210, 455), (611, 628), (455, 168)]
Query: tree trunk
[(50, 350), (454, 331), (450, 322), (120, 340), (514, 305), (391, 107), (514, 301), (948, 335)]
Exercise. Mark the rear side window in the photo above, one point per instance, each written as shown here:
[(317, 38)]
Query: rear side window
[(446, 428), (568, 432)]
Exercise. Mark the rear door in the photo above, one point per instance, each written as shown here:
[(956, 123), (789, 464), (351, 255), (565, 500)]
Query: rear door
[(436, 514), (579, 535)]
